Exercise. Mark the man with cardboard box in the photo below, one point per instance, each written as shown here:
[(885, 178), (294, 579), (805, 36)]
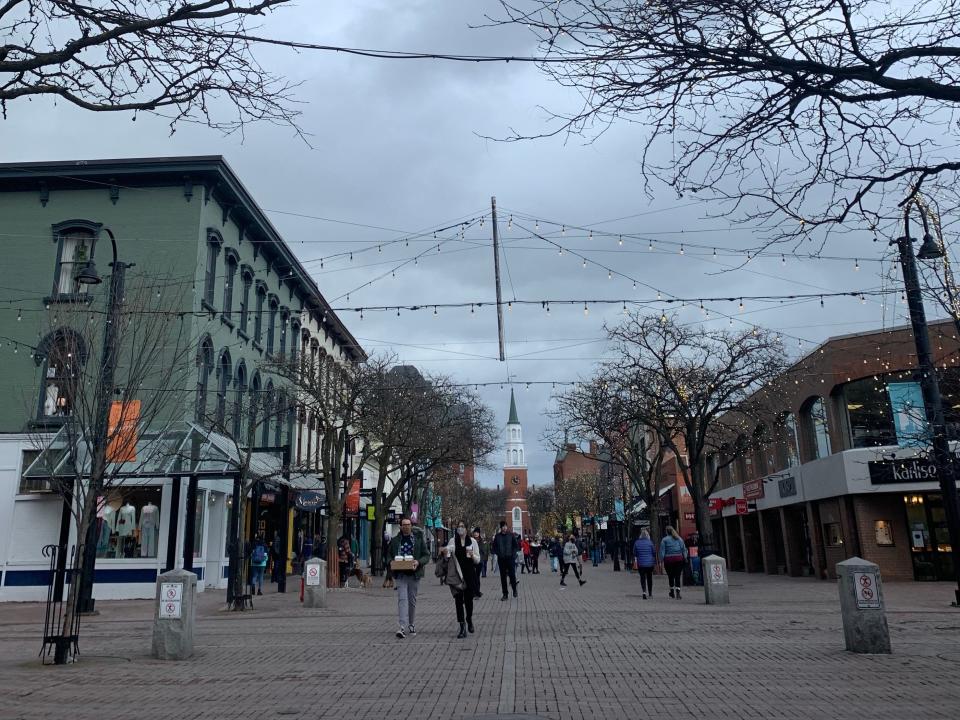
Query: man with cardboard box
[(410, 556)]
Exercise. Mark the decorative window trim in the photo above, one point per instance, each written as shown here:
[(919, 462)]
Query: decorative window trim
[(59, 232)]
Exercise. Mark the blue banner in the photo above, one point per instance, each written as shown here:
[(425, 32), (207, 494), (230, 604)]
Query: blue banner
[(909, 417), (618, 509)]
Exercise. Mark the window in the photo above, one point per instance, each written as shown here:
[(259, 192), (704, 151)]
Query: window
[(61, 356), (272, 323), (247, 275), (284, 321), (268, 411), (817, 430), (128, 522), (254, 408), (791, 444), (228, 282), (240, 395), (224, 370), (31, 485), (76, 241), (883, 532), (521, 456), (258, 320), (214, 241), (870, 413), (204, 370), (294, 339), (309, 438), (281, 419)]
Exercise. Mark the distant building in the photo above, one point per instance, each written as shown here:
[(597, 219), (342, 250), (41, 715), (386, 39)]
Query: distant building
[(515, 474)]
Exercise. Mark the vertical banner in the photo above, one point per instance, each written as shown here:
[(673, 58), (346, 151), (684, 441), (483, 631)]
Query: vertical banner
[(414, 513), (618, 509), (352, 499), (909, 417), (122, 431)]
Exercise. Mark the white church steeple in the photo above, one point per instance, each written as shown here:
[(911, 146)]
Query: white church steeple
[(515, 457)]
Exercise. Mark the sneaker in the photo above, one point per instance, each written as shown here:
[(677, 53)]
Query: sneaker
[(563, 583), (503, 598), (671, 593), (413, 630), (400, 634), (479, 594), (644, 596), (678, 593), (582, 583), (514, 592)]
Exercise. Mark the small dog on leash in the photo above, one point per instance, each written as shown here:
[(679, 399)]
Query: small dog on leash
[(360, 575)]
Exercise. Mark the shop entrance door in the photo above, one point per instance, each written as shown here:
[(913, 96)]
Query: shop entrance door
[(929, 538)]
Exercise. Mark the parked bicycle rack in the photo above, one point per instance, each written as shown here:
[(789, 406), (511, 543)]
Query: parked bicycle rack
[(60, 634)]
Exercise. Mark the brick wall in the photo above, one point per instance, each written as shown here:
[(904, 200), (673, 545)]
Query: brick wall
[(894, 561)]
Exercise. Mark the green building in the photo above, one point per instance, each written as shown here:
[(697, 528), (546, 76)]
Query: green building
[(229, 287)]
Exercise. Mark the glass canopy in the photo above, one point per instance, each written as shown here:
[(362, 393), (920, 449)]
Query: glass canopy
[(183, 448)]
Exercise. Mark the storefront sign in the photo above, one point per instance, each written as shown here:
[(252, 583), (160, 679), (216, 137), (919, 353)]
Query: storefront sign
[(690, 516), (865, 589), (371, 513), (742, 507), (391, 517), (753, 489), (787, 486), (891, 472), (716, 505), (171, 601), (310, 500), (268, 498)]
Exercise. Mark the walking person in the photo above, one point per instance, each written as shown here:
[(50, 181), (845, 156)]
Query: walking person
[(277, 555), (555, 551), (461, 558), (505, 548), (258, 565), (673, 553), (484, 554), (645, 555), (571, 558), (535, 555), (407, 582), (344, 560), (525, 549), (493, 555)]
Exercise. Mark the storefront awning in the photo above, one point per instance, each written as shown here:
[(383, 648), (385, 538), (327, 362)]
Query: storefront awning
[(184, 448), (641, 505)]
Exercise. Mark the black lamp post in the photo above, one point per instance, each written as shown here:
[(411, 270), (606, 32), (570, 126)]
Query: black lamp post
[(105, 387), (933, 405)]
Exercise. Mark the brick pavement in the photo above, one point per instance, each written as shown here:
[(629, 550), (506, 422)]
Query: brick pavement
[(596, 651)]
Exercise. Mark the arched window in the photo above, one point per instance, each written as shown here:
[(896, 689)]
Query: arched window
[(268, 412), (224, 371), (228, 282), (247, 276), (214, 241), (517, 519), (254, 411), (240, 395), (310, 439), (294, 340), (258, 318), (284, 322), (272, 323), (791, 441), (281, 418), (204, 370), (521, 456), (61, 356), (817, 428), (75, 244)]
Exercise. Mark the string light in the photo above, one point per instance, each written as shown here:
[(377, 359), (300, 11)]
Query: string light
[(620, 240), (19, 316), (609, 275), (435, 310), (741, 304), (536, 226), (650, 246), (510, 223), (563, 230), (560, 252), (584, 262), (586, 310), (856, 265), (591, 235), (783, 260), (681, 248)]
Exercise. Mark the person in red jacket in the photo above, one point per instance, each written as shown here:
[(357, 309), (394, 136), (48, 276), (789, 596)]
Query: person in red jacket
[(525, 547)]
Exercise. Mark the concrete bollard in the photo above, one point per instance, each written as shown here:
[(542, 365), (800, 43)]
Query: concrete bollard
[(315, 583), (176, 615), (861, 605), (716, 589)]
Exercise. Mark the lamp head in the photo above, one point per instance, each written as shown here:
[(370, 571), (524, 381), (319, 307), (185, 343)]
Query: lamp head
[(88, 275), (929, 250)]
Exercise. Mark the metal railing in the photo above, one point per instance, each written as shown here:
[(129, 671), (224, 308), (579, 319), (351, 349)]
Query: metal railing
[(60, 633)]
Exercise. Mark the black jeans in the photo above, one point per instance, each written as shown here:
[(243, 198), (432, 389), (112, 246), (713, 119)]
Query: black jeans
[(464, 601), (536, 562), (646, 579), (507, 569), (566, 568), (674, 572)]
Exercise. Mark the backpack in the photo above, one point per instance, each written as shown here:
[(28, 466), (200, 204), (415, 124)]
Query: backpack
[(259, 555)]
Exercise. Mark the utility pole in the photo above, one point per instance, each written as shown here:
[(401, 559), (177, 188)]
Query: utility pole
[(933, 405), (496, 273)]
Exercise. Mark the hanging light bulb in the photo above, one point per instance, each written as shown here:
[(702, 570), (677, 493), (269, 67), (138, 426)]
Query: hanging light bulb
[(586, 310), (783, 259), (624, 308), (510, 306), (658, 295), (536, 225), (19, 316), (471, 309), (548, 308), (351, 257), (620, 240), (584, 262), (510, 223), (741, 304), (398, 312), (681, 248), (856, 265), (663, 318), (560, 252), (563, 230), (434, 309), (379, 248), (634, 284), (609, 275), (714, 252), (361, 313)]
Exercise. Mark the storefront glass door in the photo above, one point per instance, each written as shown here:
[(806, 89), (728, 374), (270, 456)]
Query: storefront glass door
[(929, 539)]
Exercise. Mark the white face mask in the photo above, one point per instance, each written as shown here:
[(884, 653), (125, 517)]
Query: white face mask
[(461, 531)]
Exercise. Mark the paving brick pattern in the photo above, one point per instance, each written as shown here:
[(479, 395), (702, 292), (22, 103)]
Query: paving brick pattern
[(596, 651)]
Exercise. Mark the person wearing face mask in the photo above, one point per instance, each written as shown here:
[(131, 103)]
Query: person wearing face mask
[(463, 556)]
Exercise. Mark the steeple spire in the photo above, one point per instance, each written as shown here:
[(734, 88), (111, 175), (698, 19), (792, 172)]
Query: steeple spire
[(514, 420)]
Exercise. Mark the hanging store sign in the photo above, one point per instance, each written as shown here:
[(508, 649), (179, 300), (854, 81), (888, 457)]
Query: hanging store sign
[(122, 432), (742, 507), (787, 486), (892, 472), (310, 500)]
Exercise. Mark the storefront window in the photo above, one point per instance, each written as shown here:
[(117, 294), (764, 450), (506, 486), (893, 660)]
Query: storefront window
[(819, 431), (128, 522), (883, 532), (871, 417)]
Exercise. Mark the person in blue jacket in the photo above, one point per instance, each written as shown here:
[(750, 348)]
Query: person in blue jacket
[(673, 553), (646, 556)]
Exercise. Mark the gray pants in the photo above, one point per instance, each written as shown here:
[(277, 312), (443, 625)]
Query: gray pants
[(407, 586)]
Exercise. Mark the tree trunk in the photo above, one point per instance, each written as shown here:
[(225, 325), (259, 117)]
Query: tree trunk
[(87, 516), (333, 562), (701, 505), (376, 543)]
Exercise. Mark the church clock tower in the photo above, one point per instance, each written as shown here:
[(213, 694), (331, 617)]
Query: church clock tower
[(515, 474)]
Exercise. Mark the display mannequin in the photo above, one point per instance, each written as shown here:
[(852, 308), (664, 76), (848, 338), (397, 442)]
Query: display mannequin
[(126, 520), (107, 518), (149, 529)]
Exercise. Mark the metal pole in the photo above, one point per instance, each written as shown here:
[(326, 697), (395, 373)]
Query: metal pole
[(933, 406), (173, 523), (101, 427), (190, 524), (496, 273), (64, 540), (233, 572)]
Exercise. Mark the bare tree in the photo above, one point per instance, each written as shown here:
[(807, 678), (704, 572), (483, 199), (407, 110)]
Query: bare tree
[(142, 55), (698, 388), (108, 432), (542, 504), (812, 110)]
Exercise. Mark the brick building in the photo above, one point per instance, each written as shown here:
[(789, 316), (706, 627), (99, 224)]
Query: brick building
[(841, 474)]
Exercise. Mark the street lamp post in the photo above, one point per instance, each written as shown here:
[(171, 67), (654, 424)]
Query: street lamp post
[(933, 406), (104, 394)]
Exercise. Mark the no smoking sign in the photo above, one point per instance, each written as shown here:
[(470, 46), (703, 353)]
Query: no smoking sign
[(313, 575)]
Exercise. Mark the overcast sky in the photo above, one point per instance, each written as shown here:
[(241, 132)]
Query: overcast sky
[(399, 144)]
